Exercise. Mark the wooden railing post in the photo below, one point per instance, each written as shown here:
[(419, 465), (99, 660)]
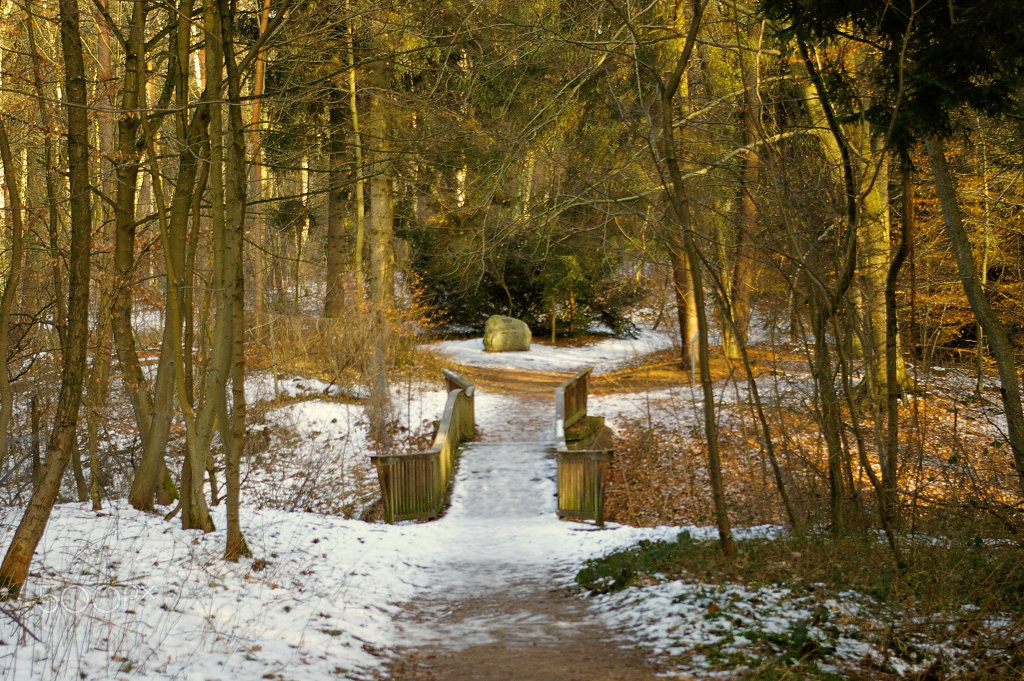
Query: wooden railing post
[(581, 473), (414, 486)]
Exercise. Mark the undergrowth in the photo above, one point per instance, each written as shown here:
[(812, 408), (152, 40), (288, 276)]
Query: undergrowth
[(954, 612)]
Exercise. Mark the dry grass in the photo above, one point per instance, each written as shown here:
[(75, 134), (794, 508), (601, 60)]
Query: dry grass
[(961, 591), (952, 461)]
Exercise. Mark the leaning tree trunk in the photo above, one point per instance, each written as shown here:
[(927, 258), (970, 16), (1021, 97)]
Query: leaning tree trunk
[(63, 440), (998, 341)]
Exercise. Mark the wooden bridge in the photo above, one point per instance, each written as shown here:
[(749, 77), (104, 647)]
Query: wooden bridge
[(416, 486)]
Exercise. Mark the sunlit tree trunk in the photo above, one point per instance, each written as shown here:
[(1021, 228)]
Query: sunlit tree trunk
[(741, 281), (998, 341), (63, 440), (256, 175), (381, 227), (873, 231), (381, 260), (12, 181), (358, 169), (686, 306), (681, 208)]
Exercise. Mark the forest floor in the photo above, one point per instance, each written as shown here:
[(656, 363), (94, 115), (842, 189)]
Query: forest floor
[(489, 590)]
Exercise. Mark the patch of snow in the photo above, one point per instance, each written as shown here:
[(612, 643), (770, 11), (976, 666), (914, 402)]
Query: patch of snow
[(604, 355), (261, 387)]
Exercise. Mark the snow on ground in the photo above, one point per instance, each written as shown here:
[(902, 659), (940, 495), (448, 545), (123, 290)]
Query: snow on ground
[(605, 355), (123, 591), (700, 625), (315, 453), (125, 595), (121, 594), (315, 459), (719, 630)]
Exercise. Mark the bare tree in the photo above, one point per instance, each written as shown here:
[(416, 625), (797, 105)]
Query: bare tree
[(63, 438)]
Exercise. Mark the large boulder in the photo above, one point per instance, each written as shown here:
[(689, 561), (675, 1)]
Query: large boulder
[(502, 334)]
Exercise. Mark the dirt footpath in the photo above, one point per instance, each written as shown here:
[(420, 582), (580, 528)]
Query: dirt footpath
[(526, 634), (497, 617)]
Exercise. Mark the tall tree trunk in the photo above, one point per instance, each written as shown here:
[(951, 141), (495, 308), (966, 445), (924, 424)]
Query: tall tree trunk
[(12, 181), (358, 169), (742, 279), (152, 466), (825, 301), (686, 306), (152, 469), (127, 171), (63, 441), (890, 464), (873, 227), (382, 282), (334, 303), (829, 416), (96, 391), (235, 186), (681, 207), (998, 341), (874, 262), (52, 176), (256, 173), (195, 514)]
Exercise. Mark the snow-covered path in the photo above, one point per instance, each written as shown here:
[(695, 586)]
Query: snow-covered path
[(497, 566)]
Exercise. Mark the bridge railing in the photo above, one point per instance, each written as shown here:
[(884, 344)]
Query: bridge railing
[(414, 486), (581, 472)]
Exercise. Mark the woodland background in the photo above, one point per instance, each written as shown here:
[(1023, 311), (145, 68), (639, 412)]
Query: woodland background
[(194, 189)]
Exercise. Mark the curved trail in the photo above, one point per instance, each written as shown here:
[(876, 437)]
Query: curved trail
[(501, 607)]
